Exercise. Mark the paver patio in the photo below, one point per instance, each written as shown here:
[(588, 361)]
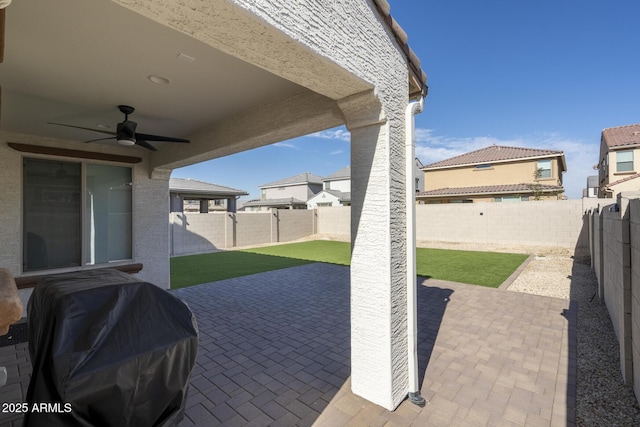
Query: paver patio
[(274, 350)]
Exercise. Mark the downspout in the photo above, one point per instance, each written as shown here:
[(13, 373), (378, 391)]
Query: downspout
[(412, 291)]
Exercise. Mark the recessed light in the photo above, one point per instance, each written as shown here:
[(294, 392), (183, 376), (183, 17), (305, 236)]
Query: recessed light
[(158, 79), (103, 126)]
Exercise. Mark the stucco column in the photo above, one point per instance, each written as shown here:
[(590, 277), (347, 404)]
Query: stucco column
[(378, 256)]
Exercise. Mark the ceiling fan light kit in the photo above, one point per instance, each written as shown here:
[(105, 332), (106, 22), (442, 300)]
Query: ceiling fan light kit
[(129, 142), (126, 132)]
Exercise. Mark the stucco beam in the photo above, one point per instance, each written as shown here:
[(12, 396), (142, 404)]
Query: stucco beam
[(231, 28), (362, 109), (296, 116)]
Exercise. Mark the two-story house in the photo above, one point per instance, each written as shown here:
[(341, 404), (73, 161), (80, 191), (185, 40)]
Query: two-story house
[(592, 187), (288, 193), (618, 166), (495, 174), (336, 190)]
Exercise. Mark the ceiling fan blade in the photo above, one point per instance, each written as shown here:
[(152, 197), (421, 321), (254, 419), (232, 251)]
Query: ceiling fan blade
[(145, 144), (106, 132), (160, 138), (100, 139)]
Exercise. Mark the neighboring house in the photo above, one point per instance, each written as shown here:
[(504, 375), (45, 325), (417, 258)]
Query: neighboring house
[(288, 193), (619, 165), (592, 187), (336, 190), (495, 174), (229, 76), (190, 195)]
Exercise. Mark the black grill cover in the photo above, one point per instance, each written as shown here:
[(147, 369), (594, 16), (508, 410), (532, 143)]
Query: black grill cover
[(109, 350)]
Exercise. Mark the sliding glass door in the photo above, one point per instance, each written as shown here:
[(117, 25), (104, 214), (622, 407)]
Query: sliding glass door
[(57, 231)]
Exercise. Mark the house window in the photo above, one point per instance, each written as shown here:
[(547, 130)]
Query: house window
[(327, 185), (511, 199), (485, 166), (624, 161), (75, 214), (544, 169), (263, 194)]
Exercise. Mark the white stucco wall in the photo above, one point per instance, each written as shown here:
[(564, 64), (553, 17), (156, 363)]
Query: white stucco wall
[(323, 197), (343, 185), (300, 192)]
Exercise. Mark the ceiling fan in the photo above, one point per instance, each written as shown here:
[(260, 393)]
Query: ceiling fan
[(126, 132)]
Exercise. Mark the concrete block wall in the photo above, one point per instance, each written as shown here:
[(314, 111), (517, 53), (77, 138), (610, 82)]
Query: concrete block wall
[(542, 223), (617, 291), (295, 224), (615, 249), (334, 221), (197, 233), (255, 228), (596, 251), (192, 233), (454, 223), (634, 246)]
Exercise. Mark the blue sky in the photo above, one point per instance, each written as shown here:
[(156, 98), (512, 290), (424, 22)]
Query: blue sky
[(545, 74)]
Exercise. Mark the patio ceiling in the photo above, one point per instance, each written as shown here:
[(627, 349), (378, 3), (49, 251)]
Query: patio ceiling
[(74, 61)]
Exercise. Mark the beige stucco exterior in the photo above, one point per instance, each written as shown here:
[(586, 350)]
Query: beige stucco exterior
[(612, 181)]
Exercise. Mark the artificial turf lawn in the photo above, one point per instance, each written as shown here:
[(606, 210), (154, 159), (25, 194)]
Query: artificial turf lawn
[(475, 268)]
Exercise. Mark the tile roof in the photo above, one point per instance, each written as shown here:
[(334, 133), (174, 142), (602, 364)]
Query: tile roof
[(341, 195), (193, 186), (488, 189), (344, 173), (303, 178), (417, 84), (620, 181), (494, 153), (621, 136)]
